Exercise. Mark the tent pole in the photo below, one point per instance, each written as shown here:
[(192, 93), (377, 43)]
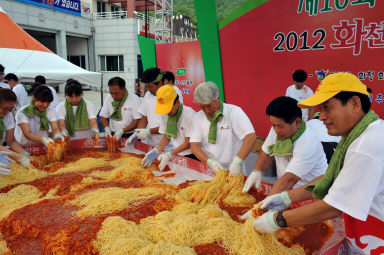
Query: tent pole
[(101, 91)]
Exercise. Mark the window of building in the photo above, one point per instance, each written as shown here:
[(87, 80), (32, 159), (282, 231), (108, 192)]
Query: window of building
[(100, 6), (77, 60), (114, 8), (112, 63)]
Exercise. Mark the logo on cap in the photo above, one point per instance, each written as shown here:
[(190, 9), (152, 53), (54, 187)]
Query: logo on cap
[(161, 101)]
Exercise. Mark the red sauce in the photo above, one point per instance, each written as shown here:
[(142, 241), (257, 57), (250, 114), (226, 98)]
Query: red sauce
[(169, 175), (311, 239), (210, 249), (32, 229), (234, 211)]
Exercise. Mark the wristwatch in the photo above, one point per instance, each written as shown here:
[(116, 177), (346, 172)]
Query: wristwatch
[(280, 221)]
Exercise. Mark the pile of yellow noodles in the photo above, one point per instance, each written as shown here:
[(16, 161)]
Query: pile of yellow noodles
[(195, 219)]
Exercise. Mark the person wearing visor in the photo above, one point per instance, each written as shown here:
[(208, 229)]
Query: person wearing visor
[(77, 118), (297, 151), (121, 108), (36, 121), (148, 128), (7, 126), (175, 126), (222, 134), (353, 183)]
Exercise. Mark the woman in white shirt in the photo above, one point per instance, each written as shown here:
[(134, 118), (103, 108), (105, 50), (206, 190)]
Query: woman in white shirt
[(7, 127), (77, 118), (35, 122)]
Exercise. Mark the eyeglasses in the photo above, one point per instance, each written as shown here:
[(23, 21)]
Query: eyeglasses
[(7, 109)]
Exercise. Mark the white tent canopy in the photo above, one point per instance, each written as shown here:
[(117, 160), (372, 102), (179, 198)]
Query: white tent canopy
[(24, 56), (26, 64)]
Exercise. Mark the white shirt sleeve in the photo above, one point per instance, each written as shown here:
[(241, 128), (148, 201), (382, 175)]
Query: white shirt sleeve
[(9, 121), (21, 93), (143, 108), (51, 115), (302, 158), (355, 187), (271, 139), (90, 110), (135, 109), (188, 123), (163, 124), (196, 131), (60, 110), (241, 124), (21, 117), (106, 110)]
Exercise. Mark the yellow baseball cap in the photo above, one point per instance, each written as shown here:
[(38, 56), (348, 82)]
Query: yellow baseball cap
[(332, 85), (165, 97)]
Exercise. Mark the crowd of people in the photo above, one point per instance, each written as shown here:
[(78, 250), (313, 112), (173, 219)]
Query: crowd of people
[(334, 155)]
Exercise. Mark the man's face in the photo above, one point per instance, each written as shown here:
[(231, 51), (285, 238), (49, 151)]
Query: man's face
[(211, 108), (116, 92), (74, 99), (299, 85), (152, 88), (169, 82), (6, 107), (41, 106), (12, 83), (283, 129), (338, 118), (174, 109), (1, 76)]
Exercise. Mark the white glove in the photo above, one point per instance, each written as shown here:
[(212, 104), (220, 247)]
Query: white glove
[(25, 161), (107, 131), (142, 133), (164, 158), (65, 132), (214, 165), (266, 223), (59, 136), (46, 140), (246, 215), (94, 132), (4, 170), (277, 202), (254, 179), (235, 167), (26, 153), (131, 141), (150, 157), (118, 134)]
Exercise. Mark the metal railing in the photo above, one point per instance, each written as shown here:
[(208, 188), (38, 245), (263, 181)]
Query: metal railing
[(141, 16), (110, 15)]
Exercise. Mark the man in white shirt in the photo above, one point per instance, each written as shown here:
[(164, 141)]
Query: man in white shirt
[(169, 79), (175, 126), (7, 127), (222, 134), (149, 124), (3, 84), (36, 121), (121, 108), (40, 80), (297, 151), (21, 93), (353, 183), (299, 91), (77, 117)]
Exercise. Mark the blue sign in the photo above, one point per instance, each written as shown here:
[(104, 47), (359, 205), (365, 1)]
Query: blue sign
[(68, 6)]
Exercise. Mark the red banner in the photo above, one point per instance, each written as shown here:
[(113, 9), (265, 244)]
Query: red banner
[(261, 49), (185, 61)]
